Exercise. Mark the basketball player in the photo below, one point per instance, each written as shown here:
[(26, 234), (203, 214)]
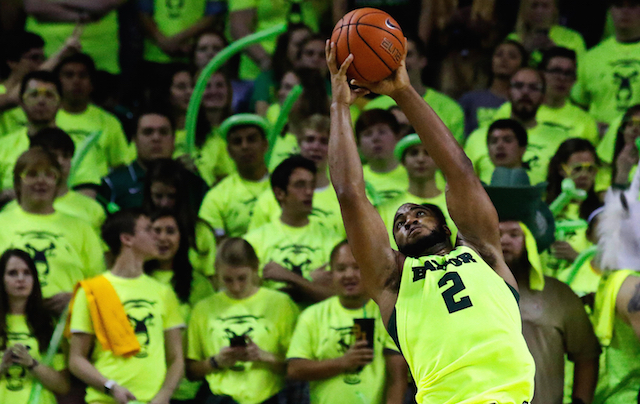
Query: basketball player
[(452, 310)]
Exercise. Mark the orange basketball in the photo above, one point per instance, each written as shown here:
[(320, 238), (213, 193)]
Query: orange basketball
[(374, 38)]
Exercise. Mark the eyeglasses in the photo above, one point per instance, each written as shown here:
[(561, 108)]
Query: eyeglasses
[(31, 96), (519, 85), (570, 74), (577, 168), (30, 177)]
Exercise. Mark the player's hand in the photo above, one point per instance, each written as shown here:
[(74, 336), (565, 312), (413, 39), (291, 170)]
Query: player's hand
[(228, 356), (277, 272), (340, 90), (357, 356), (58, 302), (396, 82), (563, 251), (122, 395)]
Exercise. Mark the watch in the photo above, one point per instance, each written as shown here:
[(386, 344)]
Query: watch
[(108, 386)]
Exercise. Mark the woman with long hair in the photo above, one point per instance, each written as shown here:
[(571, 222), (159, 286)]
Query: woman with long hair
[(625, 150), (26, 328)]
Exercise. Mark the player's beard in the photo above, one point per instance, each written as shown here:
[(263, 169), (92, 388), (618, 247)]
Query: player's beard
[(418, 247)]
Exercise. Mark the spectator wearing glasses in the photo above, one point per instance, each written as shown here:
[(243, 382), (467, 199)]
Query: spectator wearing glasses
[(526, 95)]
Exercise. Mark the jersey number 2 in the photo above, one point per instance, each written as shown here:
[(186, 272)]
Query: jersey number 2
[(449, 294)]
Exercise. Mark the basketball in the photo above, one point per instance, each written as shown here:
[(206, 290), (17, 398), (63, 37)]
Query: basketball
[(374, 38)]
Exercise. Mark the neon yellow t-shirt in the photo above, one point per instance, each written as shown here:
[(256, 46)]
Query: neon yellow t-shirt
[(446, 107), (99, 39), (11, 147), (152, 308), (298, 249), (110, 150), (11, 119), (268, 14), (283, 148), (473, 306), (607, 82), (326, 209), (561, 36), (606, 147), (17, 382), (77, 205), (543, 142), (325, 331), (219, 317), (229, 205), (388, 211), (386, 186), (203, 257), (212, 159), (65, 249)]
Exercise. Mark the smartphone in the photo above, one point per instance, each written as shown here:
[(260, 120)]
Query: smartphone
[(237, 341), (363, 330)]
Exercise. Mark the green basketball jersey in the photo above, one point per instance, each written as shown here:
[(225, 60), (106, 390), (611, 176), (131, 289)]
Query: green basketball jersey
[(459, 328)]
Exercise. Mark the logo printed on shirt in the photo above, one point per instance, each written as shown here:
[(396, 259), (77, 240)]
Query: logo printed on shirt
[(345, 339), (420, 273), (141, 317), (16, 374), (625, 74), (248, 325), (41, 246), (174, 8)]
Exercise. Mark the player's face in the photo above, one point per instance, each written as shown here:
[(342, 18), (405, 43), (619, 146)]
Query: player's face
[(504, 149), (416, 229), (154, 138), (581, 168), (295, 40), (216, 94), (625, 15), (526, 94), (312, 56), (512, 242), (377, 142), (299, 196), (541, 13), (506, 60), (560, 76), (289, 80), (208, 46), (76, 82), (247, 147), (238, 281), (144, 238), (181, 90), (314, 145), (163, 195), (38, 185), (418, 163), (167, 235), (18, 279), (346, 273), (40, 102)]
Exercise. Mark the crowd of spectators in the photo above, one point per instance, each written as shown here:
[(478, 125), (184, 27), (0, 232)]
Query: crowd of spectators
[(212, 267)]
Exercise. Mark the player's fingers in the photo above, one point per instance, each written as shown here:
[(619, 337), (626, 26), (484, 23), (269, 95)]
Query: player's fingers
[(331, 57), (346, 64), (360, 84), (360, 91)]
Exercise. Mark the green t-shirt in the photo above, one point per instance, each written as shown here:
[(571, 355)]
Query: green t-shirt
[(212, 158), (99, 39), (386, 186), (228, 206), (325, 331), (561, 36), (543, 142), (268, 14), (446, 107), (65, 249), (11, 147), (607, 79), (267, 317), (109, 151), (17, 382), (298, 249), (326, 209), (152, 309), (388, 211)]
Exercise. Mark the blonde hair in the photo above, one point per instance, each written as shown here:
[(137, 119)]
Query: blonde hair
[(237, 252), (36, 156)]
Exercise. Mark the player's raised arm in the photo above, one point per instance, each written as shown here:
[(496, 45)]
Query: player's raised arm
[(468, 203), (366, 232)]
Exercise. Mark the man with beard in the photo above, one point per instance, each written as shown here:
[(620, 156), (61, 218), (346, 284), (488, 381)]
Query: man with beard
[(526, 95), (452, 311)]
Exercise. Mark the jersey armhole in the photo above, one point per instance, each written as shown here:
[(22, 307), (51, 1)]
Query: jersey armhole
[(392, 329)]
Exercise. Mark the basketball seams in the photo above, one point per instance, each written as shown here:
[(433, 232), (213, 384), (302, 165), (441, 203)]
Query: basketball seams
[(377, 27), (373, 50)]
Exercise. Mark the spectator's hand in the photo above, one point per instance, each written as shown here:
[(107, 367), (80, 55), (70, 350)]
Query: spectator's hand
[(121, 394), (58, 302), (255, 354), (228, 356), (340, 90), (563, 251), (21, 355), (72, 44), (277, 272), (357, 356), (321, 275), (7, 360)]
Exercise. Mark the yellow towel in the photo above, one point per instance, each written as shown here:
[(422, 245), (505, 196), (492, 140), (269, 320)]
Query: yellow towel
[(110, 322), (605, 306), (536, 276)]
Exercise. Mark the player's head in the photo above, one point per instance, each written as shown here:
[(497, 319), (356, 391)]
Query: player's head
[(345, 272), (507, 58), (130, 231), (36, 178), (154, 137), (40, 97), (237, 267), (57, 142), (377, 134), (76, 74), (559, 66), (507, 142), (313, 138), (513, 245), (293, 182), (419, 229), (526, 93)]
